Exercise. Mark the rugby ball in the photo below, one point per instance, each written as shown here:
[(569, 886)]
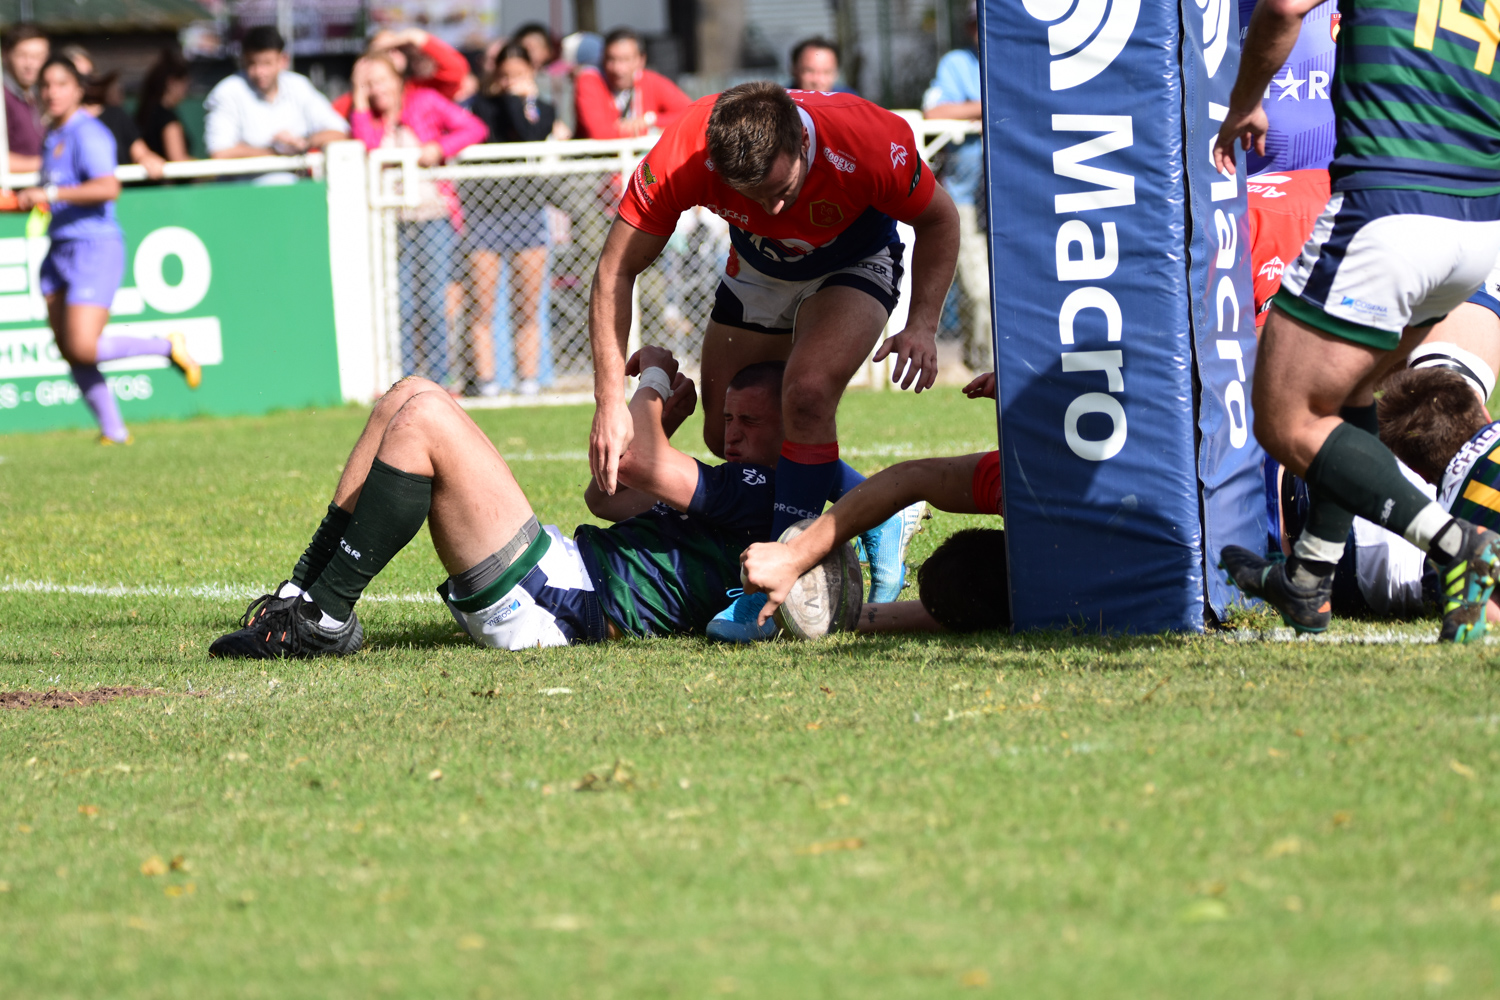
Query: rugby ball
[(827, 598)]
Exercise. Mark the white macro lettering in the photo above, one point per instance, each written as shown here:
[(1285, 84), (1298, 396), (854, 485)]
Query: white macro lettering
[(1086, 267), (1115, 189), (1108, 362), (1225, 189), (1215, 32), (1104, 448), (1089, 35), (1229, 239), (1090, 297)]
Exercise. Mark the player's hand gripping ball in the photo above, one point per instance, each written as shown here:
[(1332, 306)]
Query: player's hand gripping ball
[(825, 599)]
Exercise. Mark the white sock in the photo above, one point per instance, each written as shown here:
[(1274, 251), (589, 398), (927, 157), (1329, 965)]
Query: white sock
[(1311, 548), (1426, 526), (290, 589)]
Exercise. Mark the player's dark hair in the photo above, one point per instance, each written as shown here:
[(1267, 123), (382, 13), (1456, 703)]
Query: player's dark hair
[(815, 42), (749, 127), (18, 33), (762, 374), (1426, 415), (262, 38), (625, 35), (66, 64), (965, 584)]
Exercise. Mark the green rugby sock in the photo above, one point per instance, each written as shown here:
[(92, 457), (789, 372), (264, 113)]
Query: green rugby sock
[(1354, 475), (325, 542), (392, 506)]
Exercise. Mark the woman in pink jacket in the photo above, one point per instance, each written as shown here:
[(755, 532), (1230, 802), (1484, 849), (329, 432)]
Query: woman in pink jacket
[(386, 115)]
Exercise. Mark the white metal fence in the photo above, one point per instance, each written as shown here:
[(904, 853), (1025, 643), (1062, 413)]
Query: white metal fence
[(481, 268)]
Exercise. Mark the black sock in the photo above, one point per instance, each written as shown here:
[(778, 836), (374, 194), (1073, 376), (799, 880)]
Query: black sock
[(1326, 519), (325, 542), (1355, 475), (392, 506)]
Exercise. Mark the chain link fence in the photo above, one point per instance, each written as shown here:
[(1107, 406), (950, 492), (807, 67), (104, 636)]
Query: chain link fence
[(483, 267)]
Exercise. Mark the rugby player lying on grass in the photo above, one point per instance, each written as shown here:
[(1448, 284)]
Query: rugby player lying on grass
[(963, 585), (666, 567)]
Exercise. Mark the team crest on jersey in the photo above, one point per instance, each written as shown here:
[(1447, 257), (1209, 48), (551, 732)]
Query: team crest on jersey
[(825, 213), (57, 151), (899, 153), (840, 160), (647, 177), (1333, 25), (732, 265), (644, 178), (1272, 268), (753, 477)]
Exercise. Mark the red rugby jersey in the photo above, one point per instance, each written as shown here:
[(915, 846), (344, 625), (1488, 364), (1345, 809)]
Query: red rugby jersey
[(1283, 209), (864, 172)]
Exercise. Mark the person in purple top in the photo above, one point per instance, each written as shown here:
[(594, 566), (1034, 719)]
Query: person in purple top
[(86, 260), (1297, 102)]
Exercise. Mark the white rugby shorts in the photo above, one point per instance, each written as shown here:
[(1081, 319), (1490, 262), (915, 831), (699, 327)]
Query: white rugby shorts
[(546, 598), (753, 301), (1383, 259)]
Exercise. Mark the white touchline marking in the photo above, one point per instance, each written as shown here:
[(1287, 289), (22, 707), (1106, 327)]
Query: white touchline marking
[(210, 591)]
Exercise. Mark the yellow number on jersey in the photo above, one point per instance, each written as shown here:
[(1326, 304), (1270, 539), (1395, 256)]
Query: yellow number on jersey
[(1449, 15)]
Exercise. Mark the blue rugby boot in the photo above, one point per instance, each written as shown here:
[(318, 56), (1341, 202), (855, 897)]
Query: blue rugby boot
[(1306, 610), (885, 547), (738, 622), (1467, 583)]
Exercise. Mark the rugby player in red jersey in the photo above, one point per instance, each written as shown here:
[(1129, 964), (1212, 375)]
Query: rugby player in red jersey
[(812, 185)]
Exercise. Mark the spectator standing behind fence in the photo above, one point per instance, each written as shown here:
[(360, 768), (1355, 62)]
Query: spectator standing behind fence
[(386, 114), (815, 66), (267, 109), (25, 50), (156, 117), (511, 221), (86, 256), (626, 99), (422, 59), (102, 98), (954, 94)]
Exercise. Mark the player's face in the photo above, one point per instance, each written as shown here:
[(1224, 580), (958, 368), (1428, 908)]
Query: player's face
[(752, 426), (26, 60), (61, 93), (261, 69), (622, 61), (783, 182), (816, 69)]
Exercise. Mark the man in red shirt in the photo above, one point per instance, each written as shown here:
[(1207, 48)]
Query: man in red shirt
[(627, 98), (812, 186)]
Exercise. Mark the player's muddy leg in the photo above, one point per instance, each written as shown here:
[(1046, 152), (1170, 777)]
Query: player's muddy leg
[(836, 331), (727, 349), (432, 460)]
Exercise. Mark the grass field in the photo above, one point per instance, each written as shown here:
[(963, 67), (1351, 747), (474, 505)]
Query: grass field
[(1021, 816)]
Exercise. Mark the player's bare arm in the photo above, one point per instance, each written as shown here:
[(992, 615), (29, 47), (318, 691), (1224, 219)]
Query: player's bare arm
[(94, 191), (627, 252), (946, 483), (934, 258), (651, 469), (1273, 32)]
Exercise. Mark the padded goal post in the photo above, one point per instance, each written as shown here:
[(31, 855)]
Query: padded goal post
[(1124, 320)]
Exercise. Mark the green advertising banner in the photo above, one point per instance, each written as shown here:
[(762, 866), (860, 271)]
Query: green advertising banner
[(241, 271)]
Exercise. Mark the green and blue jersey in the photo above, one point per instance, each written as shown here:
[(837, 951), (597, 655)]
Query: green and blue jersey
[(1417, 98), (1471, 484), (667, 571)]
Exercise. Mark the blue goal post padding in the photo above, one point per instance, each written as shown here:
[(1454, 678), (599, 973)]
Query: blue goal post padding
[(1124, 319)]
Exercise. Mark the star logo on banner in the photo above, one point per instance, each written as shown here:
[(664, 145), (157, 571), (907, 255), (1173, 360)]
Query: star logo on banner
[(1290, 86)]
